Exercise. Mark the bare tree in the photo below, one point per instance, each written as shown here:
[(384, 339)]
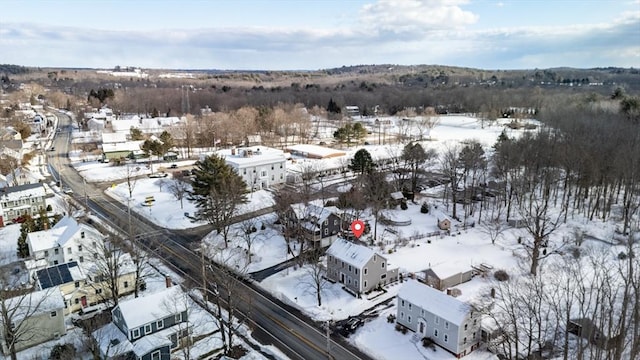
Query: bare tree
[(19, 312), (247, 230), (493, 224), (108, 264), (315, 280), (451, 167), (179, 187)]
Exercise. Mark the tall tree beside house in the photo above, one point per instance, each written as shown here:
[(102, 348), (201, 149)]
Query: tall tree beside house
[(167, 142), (217, 191), (29, 225), (377, 192)]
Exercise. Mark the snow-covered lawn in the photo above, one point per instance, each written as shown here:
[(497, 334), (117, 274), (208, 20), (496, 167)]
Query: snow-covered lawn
[(166, 210), (380, 340), (9, 243)]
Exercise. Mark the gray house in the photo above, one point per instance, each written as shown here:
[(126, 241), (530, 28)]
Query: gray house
[(449, 322), (358, 267), (146, 328), (318, 225)]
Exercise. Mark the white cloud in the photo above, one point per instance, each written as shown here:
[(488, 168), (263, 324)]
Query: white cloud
[(415, 16)]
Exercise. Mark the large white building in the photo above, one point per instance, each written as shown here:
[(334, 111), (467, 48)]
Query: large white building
[(259, 166)]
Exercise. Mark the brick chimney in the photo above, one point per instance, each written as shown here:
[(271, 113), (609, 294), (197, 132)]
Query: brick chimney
[(167, 281)]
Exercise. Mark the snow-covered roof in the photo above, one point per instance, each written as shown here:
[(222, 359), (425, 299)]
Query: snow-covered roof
[(22, 192), (434, 301), (39, 302), (397, 195), (168, 121), (125, 125), (110, 138), (252, 156), (315, 151), (143, 310), (63, 231), (59, 275), (311, 211), (351, 253), (126, 146), (154, 341), (112, 341)]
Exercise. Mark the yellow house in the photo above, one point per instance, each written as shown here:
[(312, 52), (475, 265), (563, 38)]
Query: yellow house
[(84, 286)]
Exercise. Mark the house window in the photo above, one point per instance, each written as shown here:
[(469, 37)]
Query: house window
[(365, 283), (155, 355), (355, 282), (402, 303), (474, 322), (409, 319), (147, 329), (178, 318), (349, 280), (356, 271), (465, 327), (126, 284), (365, 271), (446, 338), (54, 314), (409, 306), (349, 267), (82, 235), (55, 251), (244, 172), (401, 315), (76, 301), (383, 265), (383, 276), (446, 325), (375, 258), (79, 247), (159, 324), (81, 258), (435, 332), (273, 177), (280, 176), (68, 250), (135, 333), (98, 291), (46, 253), (77, 284), (263, 173), (437, 319), (464, 341), (326, 231)]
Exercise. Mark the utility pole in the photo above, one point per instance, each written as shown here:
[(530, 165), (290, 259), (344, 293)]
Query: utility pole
[(204, 273), (329, 339)]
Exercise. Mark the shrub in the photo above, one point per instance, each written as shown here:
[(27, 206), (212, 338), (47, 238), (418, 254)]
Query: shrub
[(49, 208), (391, 318), (424, 208), (62, 352), (398, 327), (403, 206), (404, 330), (501, 275)]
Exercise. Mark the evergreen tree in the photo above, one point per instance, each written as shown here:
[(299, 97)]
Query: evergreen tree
[(136, 134), (217, 191), (333, 107), (362, 162)]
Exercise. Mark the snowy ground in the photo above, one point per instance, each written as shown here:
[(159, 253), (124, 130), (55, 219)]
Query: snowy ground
[(9, 243), (166, 210)]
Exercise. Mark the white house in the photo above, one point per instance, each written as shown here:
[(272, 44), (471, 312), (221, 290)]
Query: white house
[(66, 241), (259, 166), (21, 200), (430, 313)]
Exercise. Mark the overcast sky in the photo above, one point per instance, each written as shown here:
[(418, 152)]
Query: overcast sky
[(318, 34)]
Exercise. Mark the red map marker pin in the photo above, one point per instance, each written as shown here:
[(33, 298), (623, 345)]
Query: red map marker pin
[(357, 227)]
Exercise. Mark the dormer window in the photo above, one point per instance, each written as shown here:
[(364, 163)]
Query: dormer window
[(82, 235)]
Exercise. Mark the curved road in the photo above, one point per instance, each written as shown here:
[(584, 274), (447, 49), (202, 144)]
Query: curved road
[(273, 322)]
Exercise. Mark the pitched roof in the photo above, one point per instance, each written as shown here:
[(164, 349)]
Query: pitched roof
[(434, 301), (59, 274), (143, 310), (39, 302), (22, 191), (311, 211), (59, 235), (351, 253)]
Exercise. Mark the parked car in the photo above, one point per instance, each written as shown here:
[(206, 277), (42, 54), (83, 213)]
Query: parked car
[(53, 148), (67, 190), (173, 166), (158, 175)]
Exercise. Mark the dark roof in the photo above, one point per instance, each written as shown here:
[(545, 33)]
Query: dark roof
[(11, 144), (11, 189), (56, 275)]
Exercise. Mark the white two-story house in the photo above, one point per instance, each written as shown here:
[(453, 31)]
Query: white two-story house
[(21, 200), (259, 166), (66, 241), (430, 313)]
